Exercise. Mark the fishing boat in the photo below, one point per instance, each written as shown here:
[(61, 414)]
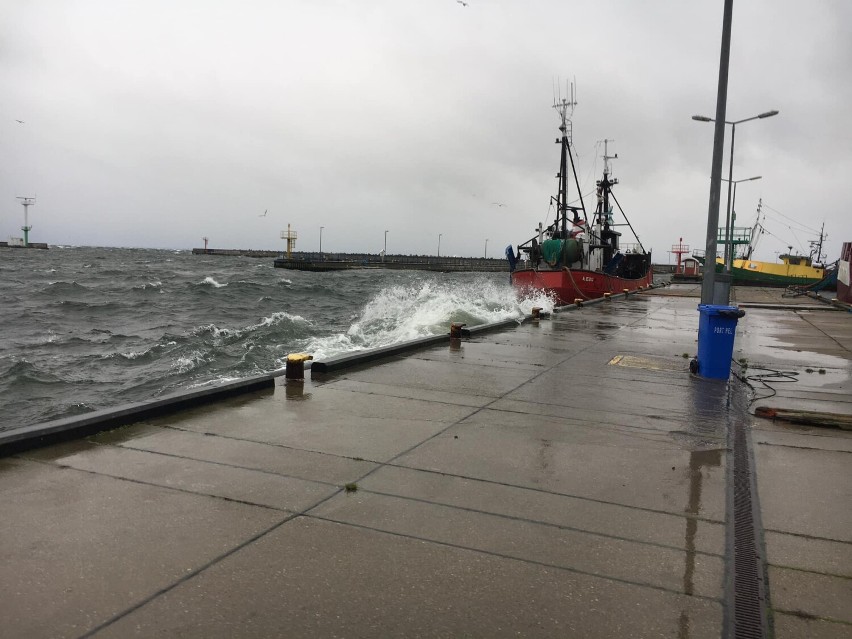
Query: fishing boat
[(575, 258), (792, 270)]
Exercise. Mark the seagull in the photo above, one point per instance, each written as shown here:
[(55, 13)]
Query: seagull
[(498, 204), (19, 121), (263, 214), (462, 3)]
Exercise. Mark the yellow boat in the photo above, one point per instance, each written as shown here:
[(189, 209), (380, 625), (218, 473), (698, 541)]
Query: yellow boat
[(794, 270)]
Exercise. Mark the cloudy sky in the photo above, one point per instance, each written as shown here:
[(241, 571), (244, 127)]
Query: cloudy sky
[(155, 123)]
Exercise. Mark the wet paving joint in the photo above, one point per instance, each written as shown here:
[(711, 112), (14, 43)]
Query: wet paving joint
[(746, 583)]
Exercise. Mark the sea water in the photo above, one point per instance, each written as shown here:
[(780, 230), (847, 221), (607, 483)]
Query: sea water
[(85, 328)]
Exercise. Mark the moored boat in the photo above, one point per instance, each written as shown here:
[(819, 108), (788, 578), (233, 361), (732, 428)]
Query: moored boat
[(574, 257), (792, 270)]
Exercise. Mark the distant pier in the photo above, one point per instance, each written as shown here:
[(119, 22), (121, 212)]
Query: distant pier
[(320, 262), (355, 261), (236, 252), (21, 245)]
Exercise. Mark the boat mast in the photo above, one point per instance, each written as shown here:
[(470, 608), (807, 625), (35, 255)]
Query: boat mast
[(565, 108), (604, 187), (752, 240), (816, 246)]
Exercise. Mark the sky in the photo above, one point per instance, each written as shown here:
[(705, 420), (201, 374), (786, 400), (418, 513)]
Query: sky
[(420, 123)]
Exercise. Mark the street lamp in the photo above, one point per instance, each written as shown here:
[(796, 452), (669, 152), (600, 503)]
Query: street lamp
[(704, 118), (320, 251), (729, 251), (439, 244), (486, 248), (386, 247)]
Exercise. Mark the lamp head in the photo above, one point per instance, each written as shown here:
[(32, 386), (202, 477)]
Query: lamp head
[(768, 114), (703, 118)]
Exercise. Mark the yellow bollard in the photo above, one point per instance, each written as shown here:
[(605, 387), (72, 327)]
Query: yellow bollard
[(296, 365)]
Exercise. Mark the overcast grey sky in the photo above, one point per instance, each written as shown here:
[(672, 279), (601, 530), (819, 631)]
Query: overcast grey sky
[(155, 123)]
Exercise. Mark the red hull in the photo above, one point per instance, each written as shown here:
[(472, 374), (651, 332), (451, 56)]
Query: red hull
[(571, 284)]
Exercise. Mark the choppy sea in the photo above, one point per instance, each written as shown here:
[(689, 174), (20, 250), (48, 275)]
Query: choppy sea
[(85, 328)]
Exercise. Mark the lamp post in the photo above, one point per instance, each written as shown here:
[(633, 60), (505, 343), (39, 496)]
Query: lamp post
[(320, 248), (486, 248), (729, 250), (439, 244), (704, 118), (386, 247)]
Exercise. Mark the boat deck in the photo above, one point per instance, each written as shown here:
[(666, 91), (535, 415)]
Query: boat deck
[(565, 477)]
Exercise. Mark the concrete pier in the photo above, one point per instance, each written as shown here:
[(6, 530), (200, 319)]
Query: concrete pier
[(564, 477)]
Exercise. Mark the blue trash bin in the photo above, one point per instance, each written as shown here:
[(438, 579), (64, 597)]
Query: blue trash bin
[(717, 327)]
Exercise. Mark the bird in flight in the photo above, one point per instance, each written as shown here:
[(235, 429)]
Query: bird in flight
[(498, 204), (263, 214), (462, 3), (19, 121)]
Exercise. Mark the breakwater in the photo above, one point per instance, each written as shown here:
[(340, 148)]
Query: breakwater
[(236, 252), (354, 261)]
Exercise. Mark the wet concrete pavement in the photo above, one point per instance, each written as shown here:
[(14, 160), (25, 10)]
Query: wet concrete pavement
[(567, 477)]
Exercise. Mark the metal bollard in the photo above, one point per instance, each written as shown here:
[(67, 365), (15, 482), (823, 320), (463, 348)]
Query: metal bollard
[(456, 330), (536, 312), (296, 365)]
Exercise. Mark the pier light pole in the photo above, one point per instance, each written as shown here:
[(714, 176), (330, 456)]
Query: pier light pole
[(729, 251), (439, 244), (320, 251), (486, 248), (704, 118), (385, 252)]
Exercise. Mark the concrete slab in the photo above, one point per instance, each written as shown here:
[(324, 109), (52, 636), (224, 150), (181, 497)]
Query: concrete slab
[(77, 547), (680, 531), (255, 487), (809, 553), (811, 594), (795, 626), (288, 462), (548, 454), (560, 547), (780, 433), (445, 376), (312, 578), (327, 420), (805, 491), (391, 390)]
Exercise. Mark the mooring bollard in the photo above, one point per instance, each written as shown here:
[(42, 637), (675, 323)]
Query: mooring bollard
[(608, 296), (578, 301), (296, 365), (536, 312), (456, 330)]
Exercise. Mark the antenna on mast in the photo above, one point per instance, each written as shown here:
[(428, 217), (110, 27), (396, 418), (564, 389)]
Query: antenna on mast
[(565, 107), (607, 157)]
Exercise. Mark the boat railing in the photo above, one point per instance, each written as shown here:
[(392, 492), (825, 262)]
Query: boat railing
[(630, 247)]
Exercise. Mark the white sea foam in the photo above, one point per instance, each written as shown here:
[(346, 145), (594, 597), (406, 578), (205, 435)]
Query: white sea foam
[(210, 281), (214, 382), (135, 354), (403, 313), (237, 333), (188, 362)]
